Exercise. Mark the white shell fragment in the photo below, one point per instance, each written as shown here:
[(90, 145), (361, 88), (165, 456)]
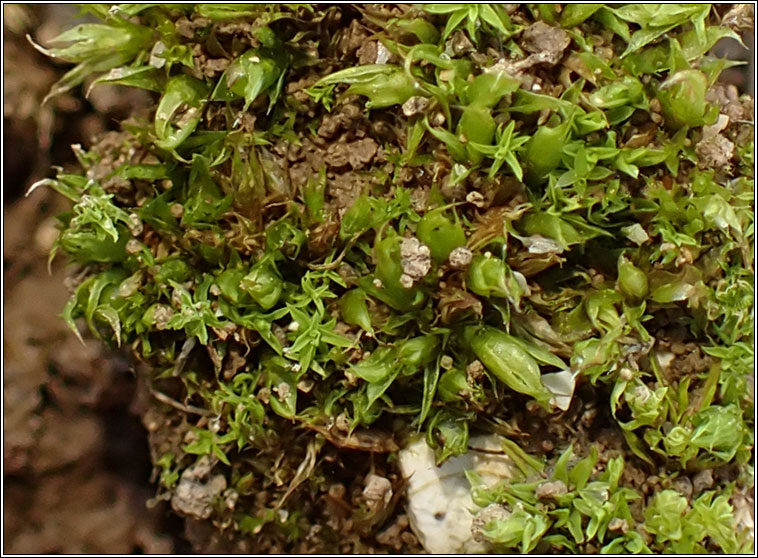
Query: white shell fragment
[(561, 385), (538, 244), (636, 234), (382, 54), (440, 507), (665, 358), (156, 60)]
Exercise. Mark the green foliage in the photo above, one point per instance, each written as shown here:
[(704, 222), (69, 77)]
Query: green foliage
[(579, 505), (683, 528), (285, 241)]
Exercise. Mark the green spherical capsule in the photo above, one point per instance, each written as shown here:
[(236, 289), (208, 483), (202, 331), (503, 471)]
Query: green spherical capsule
[(263, 284), (487, 276), (507, 360), (418, 351), (682, 98), (453, 385), (440, 234), (354, 310), (632, 281)]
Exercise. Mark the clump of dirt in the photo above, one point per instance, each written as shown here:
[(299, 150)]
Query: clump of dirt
[(197, 490), (416, 260)]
